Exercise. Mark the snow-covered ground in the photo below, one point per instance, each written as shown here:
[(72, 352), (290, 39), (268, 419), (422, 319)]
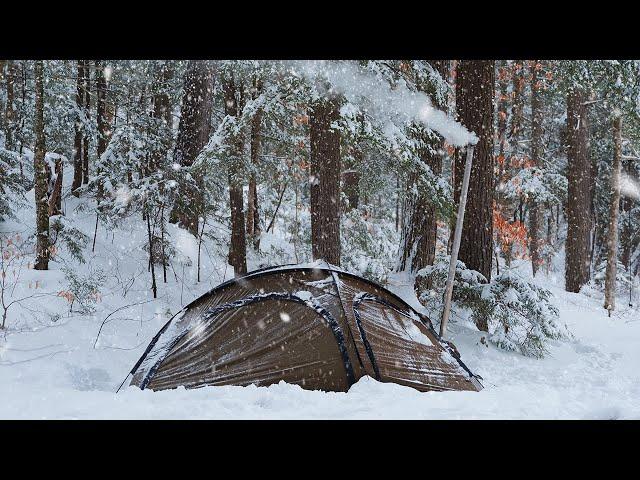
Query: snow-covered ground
[(53, 364)]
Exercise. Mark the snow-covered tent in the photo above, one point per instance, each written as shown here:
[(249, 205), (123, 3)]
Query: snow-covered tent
[(314, 325)]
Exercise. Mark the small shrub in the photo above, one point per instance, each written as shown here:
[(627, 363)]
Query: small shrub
[(517, 315), (622, 278), (83, 290), (158, 257), (62, 232), (368, 247)]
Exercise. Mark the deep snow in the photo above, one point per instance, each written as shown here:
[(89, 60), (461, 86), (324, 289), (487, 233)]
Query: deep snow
[(50, 369)]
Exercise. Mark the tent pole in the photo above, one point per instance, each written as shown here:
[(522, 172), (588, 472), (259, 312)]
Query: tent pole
[(456, 241)]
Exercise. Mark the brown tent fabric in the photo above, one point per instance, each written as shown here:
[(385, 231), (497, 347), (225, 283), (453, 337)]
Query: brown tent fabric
[(314, 325)]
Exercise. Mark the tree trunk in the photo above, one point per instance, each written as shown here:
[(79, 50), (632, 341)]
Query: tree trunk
[(627, 232), (161, 112), (101, 118), (474, 105), (154, 286), (40, 169), (234, 103), (350, 187), (502, 107), (87, 108), (397, 202), (77, 139), (102, 127), (55, 195), (193, 134), (517, 107), (612, 239), (579, 192), (324, 177), (162, 245), (9, 110), (420, 227), (536, 154), (238, 245), (161, 99), (253, 213)]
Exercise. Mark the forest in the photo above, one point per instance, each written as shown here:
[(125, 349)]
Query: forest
[(129, 188)]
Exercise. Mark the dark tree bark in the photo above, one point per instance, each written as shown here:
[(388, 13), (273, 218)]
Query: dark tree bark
[(154, 286), (517, 107), (162, 112), (77, 139), (9, 110), (193, 133), (420, 227), (253, 212), (474, 105), (87, 108), (101, 119), (628, 242), (577, 262), (161, 99), (55, 187), (502, 107), (536, 154), (40, 169), (351, 186), (101, 108), (234, 103), (325, 181)]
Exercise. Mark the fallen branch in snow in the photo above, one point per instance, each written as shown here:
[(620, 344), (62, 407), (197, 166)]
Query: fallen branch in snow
[(124, 307), (46, 355)]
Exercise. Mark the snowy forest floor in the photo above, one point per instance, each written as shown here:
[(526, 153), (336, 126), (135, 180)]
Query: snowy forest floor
[(54, 365)]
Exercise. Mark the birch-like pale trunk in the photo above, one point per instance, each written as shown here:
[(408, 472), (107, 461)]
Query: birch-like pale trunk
[(612, 239)]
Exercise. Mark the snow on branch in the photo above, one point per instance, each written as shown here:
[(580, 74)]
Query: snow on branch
[(377, 97)]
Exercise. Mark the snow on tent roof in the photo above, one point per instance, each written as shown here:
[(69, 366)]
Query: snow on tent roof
[(314, 325)]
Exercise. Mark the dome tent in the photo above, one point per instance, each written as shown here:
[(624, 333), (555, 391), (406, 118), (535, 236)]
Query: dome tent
[(314, 325)]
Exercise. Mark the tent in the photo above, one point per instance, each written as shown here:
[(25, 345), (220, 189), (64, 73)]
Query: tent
[(313, 325)]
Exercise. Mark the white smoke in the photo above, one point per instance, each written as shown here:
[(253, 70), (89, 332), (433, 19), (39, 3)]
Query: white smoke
[(629, 187), (365, 89)]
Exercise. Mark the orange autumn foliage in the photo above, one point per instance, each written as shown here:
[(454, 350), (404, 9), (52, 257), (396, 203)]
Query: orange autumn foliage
[(68, 296), (509, 233), (450, 150), (301, 119)]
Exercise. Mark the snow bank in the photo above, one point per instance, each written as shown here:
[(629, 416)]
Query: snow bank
[(61, 369), (55, 373)]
